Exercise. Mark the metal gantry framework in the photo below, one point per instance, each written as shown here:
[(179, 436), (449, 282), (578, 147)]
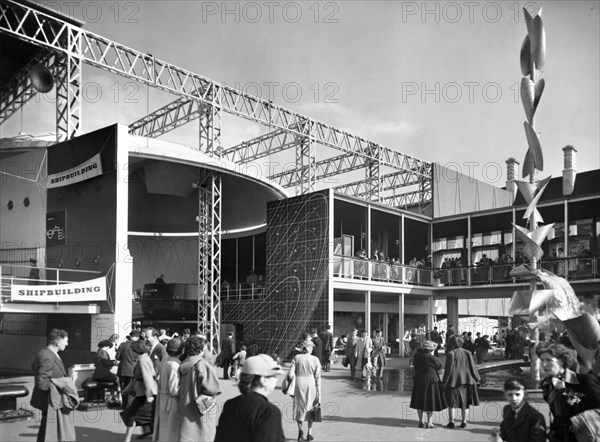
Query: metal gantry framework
[(17, 92), (209, 258), (64, 47)]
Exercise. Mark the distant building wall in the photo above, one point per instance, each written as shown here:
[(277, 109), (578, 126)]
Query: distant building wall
[(455, 193)]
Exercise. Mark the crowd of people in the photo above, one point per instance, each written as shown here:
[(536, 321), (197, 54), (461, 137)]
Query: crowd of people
[(169, 388)]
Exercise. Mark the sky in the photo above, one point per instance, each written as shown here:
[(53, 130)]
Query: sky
[(435, 80)]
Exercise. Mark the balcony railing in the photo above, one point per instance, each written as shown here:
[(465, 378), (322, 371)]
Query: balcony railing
[(356, 268), (242, 291)]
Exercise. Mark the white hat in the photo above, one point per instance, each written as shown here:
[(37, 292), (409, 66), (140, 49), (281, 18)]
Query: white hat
[(261, 365)]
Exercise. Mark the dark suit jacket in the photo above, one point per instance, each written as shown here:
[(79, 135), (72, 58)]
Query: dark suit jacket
[(227, 348), (460, 369), (127, 359), (157, 355), (46, 365), (529, 425), (327, 338)]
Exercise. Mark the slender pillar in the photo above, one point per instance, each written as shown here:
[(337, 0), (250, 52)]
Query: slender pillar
[(430, 314), (469, 244), (369, 251), (368, 312), (566, 204), (402, 256), (401, 323), (452, 310), (386, 321)]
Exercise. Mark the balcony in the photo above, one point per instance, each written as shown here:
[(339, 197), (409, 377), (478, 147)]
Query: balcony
[(572, 269)]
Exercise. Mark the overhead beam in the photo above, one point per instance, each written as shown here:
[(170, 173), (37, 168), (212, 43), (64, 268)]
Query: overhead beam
[(323, 169), (262, 146), (389, 182), (25, 23)]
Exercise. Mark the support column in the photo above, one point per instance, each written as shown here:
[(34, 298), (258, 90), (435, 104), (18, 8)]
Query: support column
[(369, 251), (209, 259), (368, 312), (452, 310), (430, 314), (306, 165), (401, 323), (566, 205), (386, 321), (469, 248), (68, 83), (210, 126)]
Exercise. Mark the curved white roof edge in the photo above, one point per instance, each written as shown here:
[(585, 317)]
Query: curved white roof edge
[(226, 233), (153, 148)]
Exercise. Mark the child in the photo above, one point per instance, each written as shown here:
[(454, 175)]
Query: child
[(238, 359), (520, 421)]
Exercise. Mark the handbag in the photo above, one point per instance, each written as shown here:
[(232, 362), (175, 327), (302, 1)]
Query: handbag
[(316, 414), (288, 385), (204, 403), (345, 361)]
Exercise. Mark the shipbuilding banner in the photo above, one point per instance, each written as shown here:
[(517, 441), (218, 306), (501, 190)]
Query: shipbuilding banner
[(91, 290), (84, 171)]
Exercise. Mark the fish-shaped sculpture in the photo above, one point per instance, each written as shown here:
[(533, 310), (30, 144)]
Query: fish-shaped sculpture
[(531, 92)]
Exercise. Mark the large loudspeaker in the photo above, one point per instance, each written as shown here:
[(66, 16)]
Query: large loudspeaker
[(41, 78)]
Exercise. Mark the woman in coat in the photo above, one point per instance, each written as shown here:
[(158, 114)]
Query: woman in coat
[(427, 395), (306, 369), (198, 381), (566, 392), (144, 389), (460, 380), (166, 422)]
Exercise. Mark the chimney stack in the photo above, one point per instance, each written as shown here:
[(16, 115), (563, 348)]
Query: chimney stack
[(512, 174), (570, 169)]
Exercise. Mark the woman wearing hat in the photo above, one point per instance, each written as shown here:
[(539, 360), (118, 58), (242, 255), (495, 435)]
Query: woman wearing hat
[(250, 416), (166, 420), (306, 369), (427, 395)]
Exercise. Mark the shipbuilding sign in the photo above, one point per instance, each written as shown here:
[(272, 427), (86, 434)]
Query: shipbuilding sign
[(84, 171), (91, 290)]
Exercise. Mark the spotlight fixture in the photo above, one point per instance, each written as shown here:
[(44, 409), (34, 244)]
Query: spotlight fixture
[(26, 201), (10, 205)]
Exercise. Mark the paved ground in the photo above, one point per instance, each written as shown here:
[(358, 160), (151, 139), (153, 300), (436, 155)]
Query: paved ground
[(352, 412)]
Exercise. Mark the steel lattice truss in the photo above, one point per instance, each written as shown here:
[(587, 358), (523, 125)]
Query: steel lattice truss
[(209, 259), (20, 90), (78, 45)]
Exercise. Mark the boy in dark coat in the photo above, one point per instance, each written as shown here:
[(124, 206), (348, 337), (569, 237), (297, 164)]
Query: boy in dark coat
[(520, 421)]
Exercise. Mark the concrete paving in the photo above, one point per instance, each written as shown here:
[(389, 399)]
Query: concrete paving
[(352, 412)]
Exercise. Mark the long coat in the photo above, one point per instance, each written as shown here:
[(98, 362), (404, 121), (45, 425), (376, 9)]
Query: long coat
[(528, 426), (167, 420), (197, 377), (46, 365), (460, 369), (364, 346)]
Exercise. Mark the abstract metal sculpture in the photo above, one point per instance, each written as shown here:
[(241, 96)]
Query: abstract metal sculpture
[(558, 298)]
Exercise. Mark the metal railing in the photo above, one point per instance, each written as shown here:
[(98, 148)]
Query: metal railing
[(573, 268), (242, 291), (11, 274)]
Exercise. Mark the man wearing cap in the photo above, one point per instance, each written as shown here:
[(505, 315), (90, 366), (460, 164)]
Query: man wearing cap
[(250, 417)]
